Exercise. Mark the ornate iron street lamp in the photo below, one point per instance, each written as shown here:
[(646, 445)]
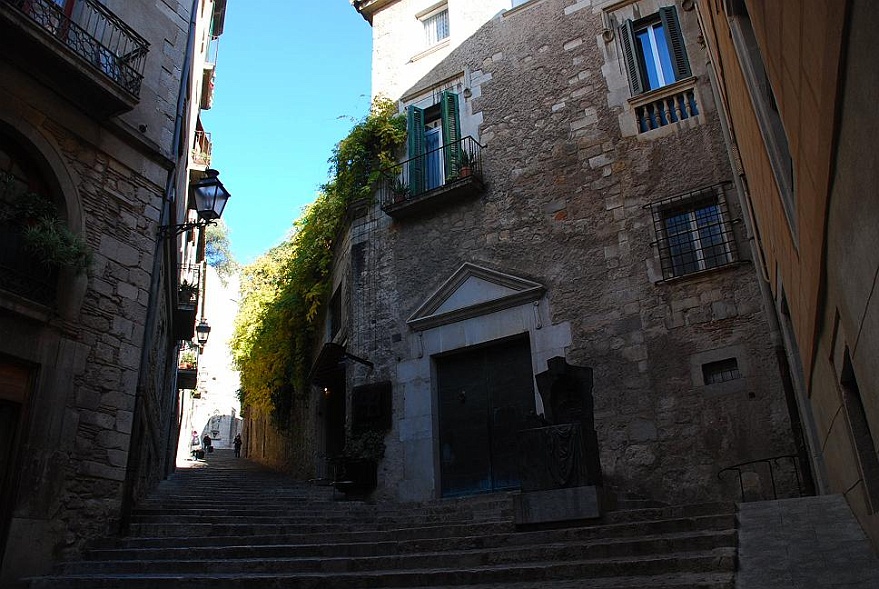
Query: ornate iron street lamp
[(202, 331), (210, 200)]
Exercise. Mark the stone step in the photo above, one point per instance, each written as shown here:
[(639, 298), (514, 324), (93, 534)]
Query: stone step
[(208, 508), (529, 547), (222, 516), (671, 581), (211, 537), (717, 561), (339, 531), (227, 524)]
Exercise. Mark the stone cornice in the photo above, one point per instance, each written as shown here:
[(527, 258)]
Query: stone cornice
[(367, 8)]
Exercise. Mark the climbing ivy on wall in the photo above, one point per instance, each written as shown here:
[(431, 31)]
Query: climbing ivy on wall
[(283, 292)]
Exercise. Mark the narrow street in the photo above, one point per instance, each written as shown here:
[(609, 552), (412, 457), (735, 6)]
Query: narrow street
[(227, 522)]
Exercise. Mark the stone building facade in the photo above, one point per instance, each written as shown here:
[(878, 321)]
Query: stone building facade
[(94, 120), (562, 196), (795, 80)]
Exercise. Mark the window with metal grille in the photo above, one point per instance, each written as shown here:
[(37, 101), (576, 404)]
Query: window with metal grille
[(721, 371), (693, 232)]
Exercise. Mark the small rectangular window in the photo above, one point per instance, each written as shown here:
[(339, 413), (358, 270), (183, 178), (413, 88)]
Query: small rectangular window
[(436, 27), (721, 371)]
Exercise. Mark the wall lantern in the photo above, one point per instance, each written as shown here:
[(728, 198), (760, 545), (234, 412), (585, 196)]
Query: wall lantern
[(210, 200), (202, 331)]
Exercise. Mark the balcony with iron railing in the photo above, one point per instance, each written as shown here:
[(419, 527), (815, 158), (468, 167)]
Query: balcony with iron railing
[(201, 149), (81, 48), (436, 178), (207, 87), (187, 301)]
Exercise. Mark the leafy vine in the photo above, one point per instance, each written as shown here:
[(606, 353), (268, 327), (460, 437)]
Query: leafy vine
[(283, 291)]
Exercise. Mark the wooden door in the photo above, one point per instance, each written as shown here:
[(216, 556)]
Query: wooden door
[(485, 396)]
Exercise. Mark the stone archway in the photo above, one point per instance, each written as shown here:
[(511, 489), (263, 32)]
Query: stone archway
[(36, 166)]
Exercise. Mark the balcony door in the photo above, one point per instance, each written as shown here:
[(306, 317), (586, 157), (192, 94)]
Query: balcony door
[(434, 137), (435, 169)]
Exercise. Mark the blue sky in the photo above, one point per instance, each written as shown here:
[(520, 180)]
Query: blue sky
[(292, 77)]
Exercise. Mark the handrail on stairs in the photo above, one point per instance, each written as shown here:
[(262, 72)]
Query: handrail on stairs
[(769, 461)]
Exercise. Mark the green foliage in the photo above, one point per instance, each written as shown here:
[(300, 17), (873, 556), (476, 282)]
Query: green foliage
[(366, 445), (282, 292), (217, 251), (44, 235), (51, 242)]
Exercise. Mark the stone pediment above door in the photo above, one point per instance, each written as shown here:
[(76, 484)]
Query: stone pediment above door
[(473, 291)]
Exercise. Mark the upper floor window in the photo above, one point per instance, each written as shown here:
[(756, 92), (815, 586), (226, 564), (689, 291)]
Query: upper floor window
[(436, 25), (693, 232), (654, 51), (434, 138)]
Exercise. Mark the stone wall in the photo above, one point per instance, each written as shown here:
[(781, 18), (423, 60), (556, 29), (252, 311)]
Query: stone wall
[(570, 183), (96, 396)]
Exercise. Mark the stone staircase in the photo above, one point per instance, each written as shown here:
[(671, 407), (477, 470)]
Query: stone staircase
[(228, 524)]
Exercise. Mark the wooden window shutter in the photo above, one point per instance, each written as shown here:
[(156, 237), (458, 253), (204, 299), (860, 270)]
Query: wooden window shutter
[(417, 146), (675, 39), (630, 57), (451, 132)]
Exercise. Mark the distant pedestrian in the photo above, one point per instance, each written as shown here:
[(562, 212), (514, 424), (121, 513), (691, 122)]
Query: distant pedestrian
[(237, 443), (195, 445), (208, 445)]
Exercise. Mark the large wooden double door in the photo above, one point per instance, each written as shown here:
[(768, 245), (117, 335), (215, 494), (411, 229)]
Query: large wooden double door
[(485, 397)]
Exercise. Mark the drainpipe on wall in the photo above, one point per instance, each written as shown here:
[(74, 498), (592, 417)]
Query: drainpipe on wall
[(136, 441), (801, 442)]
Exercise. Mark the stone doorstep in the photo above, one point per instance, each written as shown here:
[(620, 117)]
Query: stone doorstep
[(557, 505)]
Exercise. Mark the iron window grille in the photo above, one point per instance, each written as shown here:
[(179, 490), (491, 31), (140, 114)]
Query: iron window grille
[(721, 371), (693, 232)]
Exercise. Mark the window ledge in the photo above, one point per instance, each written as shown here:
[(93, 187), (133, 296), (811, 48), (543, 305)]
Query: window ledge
[(701, 273), (432, 49), (25, 307), (664, 92)]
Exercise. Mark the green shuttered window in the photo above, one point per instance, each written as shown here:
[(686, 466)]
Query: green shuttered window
[(654, 52)]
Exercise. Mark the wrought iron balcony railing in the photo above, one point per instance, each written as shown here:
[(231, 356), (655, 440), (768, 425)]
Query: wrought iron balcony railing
[(442, 174), (95, 34), (201, 149)]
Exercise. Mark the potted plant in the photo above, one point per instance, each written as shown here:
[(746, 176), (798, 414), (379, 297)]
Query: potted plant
[(187, 293), (465, 164), (187, 360), (400, 189), (358, 465), (43, 234)]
